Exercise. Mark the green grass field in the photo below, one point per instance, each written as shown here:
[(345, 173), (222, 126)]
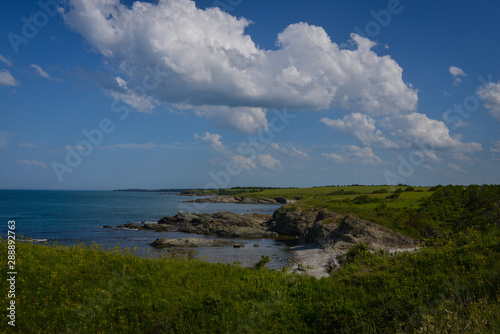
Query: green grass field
[(392, 213), (451, 285)]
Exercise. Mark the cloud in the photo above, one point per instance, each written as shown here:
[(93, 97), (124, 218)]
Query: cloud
[(122, 83), (142, 103), (457, 72), (41, 72), (5, 138), (354, 154), (418, 131), (7, 79), (244, 119), (214, 141), (410, 131), (36, 163), (27, 145), (269, 162), (490, 94), (7, 61), (290, 151), (361, 127), (136, 146), (457, 168), (495, 148), (203, 58), (244, 162)]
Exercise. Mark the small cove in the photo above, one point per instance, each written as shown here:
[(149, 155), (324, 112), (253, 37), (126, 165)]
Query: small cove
[(72, 217)]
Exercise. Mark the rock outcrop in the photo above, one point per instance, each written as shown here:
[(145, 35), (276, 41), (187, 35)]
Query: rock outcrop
[(329, 229), (193, 242), (307, 224), (242, 200), (145, 226), (325, 228), (223, 224)]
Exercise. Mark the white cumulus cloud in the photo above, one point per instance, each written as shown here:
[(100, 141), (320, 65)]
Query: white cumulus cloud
[(7, 79), (490, 94), (361, 127), (269, 162), (355, 154), (495, 148), (290, 150), (42, 73), (244, 119), (6, 61), (204, 58), (214, 141), (457, 72), (421, 132)]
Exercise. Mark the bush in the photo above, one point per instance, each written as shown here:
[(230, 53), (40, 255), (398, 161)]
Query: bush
[(356, 252), (409, 189), (363, 199), (380, 191), (439, 186), (262, 263), (342, 192), (394, 196)]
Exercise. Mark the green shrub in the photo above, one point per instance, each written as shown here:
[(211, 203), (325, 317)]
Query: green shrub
[(380, 191), (356, 252), (395, 195), (439, 186), (264, 259), (363, 199)]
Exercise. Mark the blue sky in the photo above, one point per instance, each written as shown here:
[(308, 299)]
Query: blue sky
[(105, 94)]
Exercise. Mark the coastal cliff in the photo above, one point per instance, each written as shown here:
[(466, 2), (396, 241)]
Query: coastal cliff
[(327, 229)]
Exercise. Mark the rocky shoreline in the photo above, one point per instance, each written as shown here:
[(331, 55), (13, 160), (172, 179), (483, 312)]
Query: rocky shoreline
[(323, 234), (194, 242), (222, 224), (242, 200)]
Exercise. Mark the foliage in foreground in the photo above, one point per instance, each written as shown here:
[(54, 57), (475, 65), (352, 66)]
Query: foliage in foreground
[(451, 285)]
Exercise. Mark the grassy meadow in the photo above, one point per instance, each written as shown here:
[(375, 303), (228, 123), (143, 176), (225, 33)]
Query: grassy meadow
[(450, 285)]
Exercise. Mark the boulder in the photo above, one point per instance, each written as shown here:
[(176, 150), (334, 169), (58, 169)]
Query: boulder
[(223, 224), (192, 242), (330, 229), (354, 230), (242, 200)]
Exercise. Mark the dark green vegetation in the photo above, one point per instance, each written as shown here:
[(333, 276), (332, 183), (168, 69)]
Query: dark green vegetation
[(417, 212), (450, 285)]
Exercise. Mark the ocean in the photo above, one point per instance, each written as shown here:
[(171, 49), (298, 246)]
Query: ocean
[(71, 217)]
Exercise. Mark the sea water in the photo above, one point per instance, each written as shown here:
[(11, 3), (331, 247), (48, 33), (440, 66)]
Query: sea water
[(71, 217)]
